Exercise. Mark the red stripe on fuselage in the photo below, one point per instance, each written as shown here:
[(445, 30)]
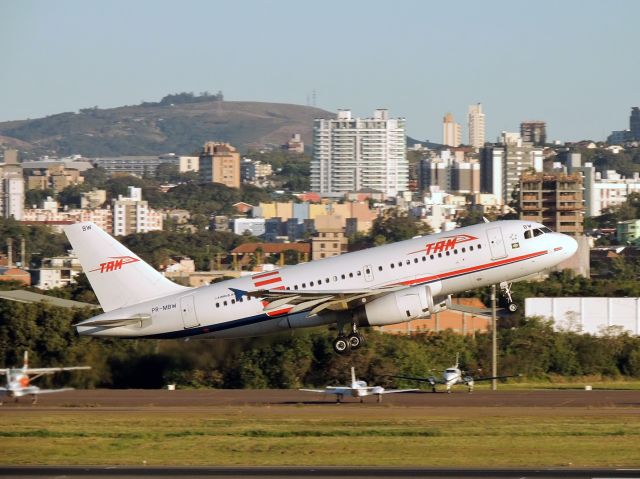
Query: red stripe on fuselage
[(268, 281), (264, 275), (471, 269)]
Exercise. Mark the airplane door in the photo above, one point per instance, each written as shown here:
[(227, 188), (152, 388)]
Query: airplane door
[(496, 243), (188, 311), (368, 273)]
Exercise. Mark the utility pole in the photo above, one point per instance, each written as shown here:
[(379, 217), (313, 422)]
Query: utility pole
[(494, 340)]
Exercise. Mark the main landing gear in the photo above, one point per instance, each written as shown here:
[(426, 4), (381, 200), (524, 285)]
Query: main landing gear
[(506, 290), (343, 344)]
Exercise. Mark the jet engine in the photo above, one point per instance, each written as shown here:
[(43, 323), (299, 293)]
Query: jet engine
[(411, 303)]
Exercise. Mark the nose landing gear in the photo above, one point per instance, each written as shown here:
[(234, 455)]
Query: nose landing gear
[(506, 290)]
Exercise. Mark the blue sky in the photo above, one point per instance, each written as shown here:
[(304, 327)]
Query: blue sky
[(574, 64)]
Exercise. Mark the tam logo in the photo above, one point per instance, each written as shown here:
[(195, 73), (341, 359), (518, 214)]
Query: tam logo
[(446, 244), (115, 264)]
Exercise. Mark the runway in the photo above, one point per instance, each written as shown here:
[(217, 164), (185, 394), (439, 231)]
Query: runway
[(82, 472), (151, 399)]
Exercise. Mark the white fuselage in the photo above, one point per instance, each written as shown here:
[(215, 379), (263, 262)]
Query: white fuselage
[(446, 263)]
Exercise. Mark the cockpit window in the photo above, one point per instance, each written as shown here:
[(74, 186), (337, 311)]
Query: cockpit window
[(537, 232), (528, 234), (546, 230)]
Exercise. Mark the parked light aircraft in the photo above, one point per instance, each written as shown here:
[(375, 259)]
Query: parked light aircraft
[(383, 285), (452, 376), (19, 380), (357, 389)]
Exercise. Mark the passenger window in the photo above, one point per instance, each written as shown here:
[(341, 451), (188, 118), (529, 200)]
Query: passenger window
[(455, 251), (311, 284), (359, 273), (464, 250), (350, 275), (479, 246), (379, 268), (431, 256), (424, 258), (368, 271), (304, 285), (447, 253), (470, 248), (225, 303), (408, 262), (288, 288), (393, 265), (439, 255), (326, 280), (217, 305), (399, 263), (295, 286), (343, 277)]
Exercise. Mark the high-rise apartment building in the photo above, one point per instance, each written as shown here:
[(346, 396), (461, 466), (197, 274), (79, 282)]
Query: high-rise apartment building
[(11, 186), (132, 215), (220, 163), (502, 165), (451, 131), (351, 154), (476, 126), (634, 123), (534, 132), (555, 200)]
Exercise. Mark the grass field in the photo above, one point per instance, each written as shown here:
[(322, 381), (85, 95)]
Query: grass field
[(324, 435)]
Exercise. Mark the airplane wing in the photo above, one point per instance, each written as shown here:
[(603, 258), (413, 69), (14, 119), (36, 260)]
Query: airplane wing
[(22, 296), (53, 370), (329, 390), (316, 301), (431, 381), (391, 391), (48, 391), (489, 378)]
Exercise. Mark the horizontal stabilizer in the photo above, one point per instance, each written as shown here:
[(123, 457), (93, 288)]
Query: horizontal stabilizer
[(115, 322)]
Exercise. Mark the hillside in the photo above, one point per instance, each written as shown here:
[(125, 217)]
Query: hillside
[(156, 128)]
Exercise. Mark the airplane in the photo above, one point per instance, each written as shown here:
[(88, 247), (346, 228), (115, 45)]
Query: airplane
[(357, 389), (452, 376), (19, 380), (384, 285)]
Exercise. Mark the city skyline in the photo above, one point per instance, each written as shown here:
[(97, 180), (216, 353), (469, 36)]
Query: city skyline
[(564, 63)]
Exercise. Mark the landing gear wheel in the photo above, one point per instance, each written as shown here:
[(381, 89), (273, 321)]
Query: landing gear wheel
[(513, 307), (341, 345), (355, 341)]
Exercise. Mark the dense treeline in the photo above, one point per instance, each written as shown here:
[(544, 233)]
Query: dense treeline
[(303, 357)]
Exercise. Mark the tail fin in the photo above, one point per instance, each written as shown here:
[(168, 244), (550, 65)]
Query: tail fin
[(353, 375), (118, 276)]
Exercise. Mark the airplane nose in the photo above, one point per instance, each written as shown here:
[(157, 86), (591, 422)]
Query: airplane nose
[(568, 244)]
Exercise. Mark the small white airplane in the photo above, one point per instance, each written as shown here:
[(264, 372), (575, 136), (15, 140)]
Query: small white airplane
[(357, 389), (384, 285), (19, 380), (452, 376)]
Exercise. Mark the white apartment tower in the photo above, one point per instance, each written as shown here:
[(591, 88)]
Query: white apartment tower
[(11, 187), (132, 215), (350, 154), (476, 126), (451, 131)]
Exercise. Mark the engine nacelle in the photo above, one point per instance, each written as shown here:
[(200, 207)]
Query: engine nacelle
[(411, 303)]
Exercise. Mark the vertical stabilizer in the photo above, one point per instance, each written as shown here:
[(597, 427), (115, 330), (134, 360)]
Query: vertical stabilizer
[(117, 275)]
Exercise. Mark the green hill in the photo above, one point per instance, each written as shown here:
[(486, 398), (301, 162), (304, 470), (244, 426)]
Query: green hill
[(157, 128)]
